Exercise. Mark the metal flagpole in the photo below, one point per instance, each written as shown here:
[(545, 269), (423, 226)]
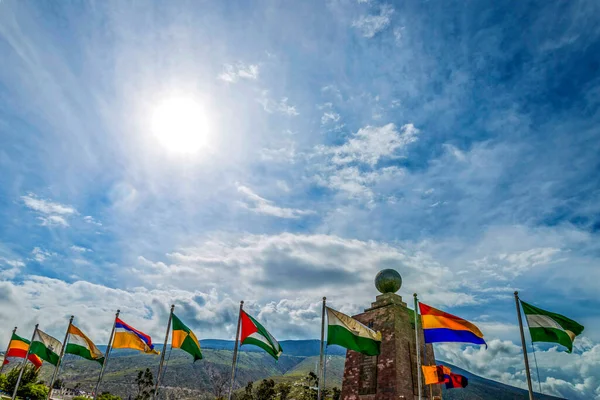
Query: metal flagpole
[(106, 354), (14, 396), (7, 348), (162, 356), (420, 384), (235, 350), (524, 347), (62, 353), (321, 374)]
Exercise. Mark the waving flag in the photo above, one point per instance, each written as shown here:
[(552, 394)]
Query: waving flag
[(546, 326), (347, 332), (127, 337), (81, 345), (46, 347), (17, 348), (456, 381), (256, 334), (184, 339), (439, 326)]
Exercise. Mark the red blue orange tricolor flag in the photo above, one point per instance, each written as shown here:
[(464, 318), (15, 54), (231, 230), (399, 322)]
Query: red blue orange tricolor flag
[(439, 326), (127, 337)]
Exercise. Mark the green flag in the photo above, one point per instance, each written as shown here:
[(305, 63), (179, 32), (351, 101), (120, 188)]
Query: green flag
[(184, 339), (46, 347), (545, 326)]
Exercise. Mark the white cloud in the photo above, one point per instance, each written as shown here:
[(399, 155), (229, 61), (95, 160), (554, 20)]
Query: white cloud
[(329, 117), (45, 206), (80, 249), (10, 268), (398, 34), (91, 220), (506, 266), (232, 73), (41, 255), (53, 220), (370, 144), (52, 214), (263, 206), (282, 106), (285, 153), (370, 25), (572, 376)]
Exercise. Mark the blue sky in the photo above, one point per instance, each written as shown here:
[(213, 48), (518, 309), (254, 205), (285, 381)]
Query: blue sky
[(457, 143)]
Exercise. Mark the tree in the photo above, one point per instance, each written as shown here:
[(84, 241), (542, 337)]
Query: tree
[(30, 376), (284, 389), (337, 393), (34, 391), (306, 388), (247, 395), (107, 396), (266, 390), (145, 384), (218, 380), (58, 384)]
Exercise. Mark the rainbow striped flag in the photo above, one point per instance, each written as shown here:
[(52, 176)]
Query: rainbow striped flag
[(439, 326), (127, 337)]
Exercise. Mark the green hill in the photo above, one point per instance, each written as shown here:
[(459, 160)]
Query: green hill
[(186, 380)]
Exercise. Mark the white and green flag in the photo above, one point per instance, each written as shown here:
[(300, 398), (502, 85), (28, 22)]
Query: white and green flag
[(545, 326), (347, 332), (81, 345), (45, 347)]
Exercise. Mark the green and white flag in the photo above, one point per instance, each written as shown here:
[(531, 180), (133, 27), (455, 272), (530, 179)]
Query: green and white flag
[(81, 345), (45, 347), (545, 326), (347, 332), (254, 333)]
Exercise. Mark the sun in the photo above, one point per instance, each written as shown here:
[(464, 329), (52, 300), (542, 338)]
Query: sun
[(180, 125)]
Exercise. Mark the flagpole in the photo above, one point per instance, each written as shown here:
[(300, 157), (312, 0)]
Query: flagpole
[(162, 356), (321, 374), (524, 346), (14, 396), (106, 354), (7, 348), (420, 384), (235, 350), (62, 353)]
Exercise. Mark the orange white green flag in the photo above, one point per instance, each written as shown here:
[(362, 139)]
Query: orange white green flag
[(80, 345)]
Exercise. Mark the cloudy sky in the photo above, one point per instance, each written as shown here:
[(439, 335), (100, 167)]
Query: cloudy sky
[(204, 152)]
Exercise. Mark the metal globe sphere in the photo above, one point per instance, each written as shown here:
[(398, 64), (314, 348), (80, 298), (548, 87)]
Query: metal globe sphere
[(388, 281)]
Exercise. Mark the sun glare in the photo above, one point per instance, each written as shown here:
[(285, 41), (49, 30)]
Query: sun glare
[(180, 125)]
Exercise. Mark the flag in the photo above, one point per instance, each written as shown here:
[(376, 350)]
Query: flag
[(545, 326), (456, 381), (17, 348), (82, 346), (184, 339), (435, 374), (347, 332), (256, 334), (439, 326), (46, 347), (127, 337)]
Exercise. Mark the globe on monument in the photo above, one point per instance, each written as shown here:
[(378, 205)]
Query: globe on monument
[(388, 281)]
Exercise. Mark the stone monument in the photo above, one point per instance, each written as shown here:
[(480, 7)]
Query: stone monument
[(393, 373)]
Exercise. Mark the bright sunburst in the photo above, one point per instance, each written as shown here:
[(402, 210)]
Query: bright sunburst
[(180, 125)]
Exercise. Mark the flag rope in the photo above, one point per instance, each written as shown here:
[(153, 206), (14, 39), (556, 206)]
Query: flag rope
[(536, 367)]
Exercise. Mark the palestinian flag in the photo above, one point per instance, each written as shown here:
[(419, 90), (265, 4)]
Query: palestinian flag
[(46, 347), (351, 334), (82, 346), (256, 334), (184, 339), (17, 348), (545, 326)]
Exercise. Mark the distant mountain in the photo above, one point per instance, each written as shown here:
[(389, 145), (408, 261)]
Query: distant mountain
[(186, 380)]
